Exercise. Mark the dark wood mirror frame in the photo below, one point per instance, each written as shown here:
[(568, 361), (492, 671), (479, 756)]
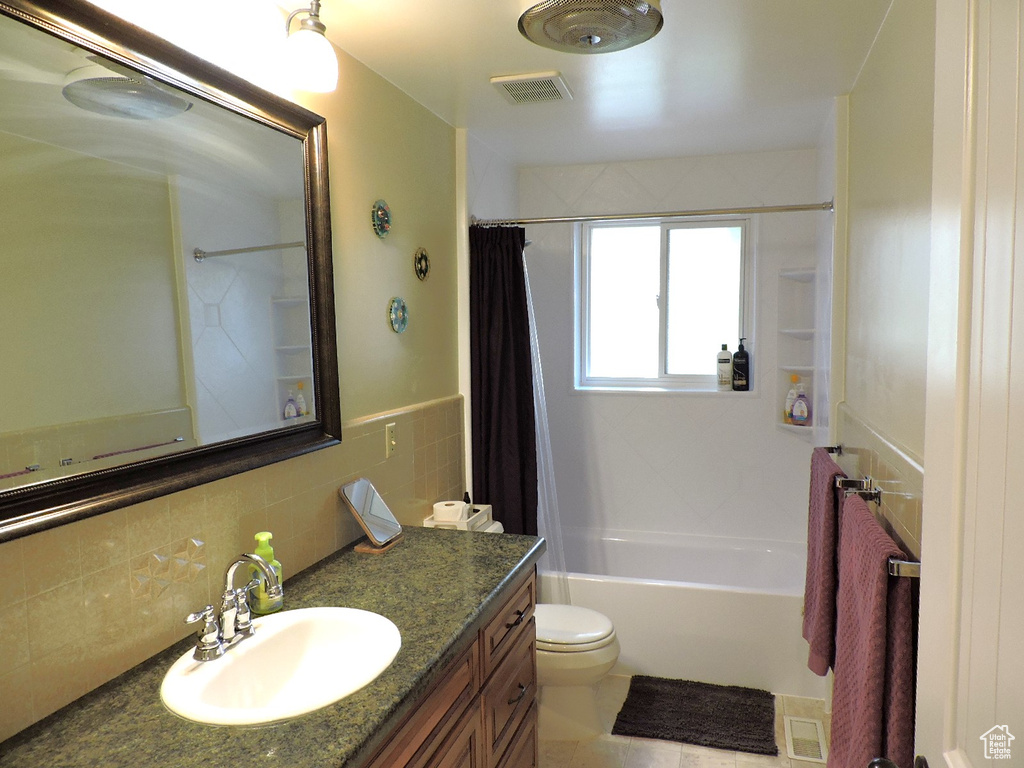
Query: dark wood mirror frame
[(35, 508)]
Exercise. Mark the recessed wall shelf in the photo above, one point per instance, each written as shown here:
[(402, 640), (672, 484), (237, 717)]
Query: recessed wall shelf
[(292, 351), (796, 334), (804, 334), (798, 275)]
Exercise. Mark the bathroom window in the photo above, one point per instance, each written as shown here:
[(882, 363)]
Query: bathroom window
[(657, 299)]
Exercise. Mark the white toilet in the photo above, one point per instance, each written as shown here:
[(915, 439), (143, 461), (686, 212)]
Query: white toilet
[(576, 648)]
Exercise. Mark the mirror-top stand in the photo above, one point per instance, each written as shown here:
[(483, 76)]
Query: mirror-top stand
[(367, 547)]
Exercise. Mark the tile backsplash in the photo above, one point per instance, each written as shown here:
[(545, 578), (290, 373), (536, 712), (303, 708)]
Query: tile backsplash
[(897, 472), (86, 601)]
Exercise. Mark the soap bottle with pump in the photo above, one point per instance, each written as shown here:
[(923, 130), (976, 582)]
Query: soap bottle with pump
[(787, 411), (261, 602), (724, 369), (801, 413), (741, 369)]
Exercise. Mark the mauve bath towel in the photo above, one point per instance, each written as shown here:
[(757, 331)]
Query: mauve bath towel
[(820, 582), (873, 696)]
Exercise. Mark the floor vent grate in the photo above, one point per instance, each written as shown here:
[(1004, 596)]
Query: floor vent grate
[(805, 739)]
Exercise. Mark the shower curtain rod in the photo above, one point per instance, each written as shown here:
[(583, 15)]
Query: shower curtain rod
[(829, 206), (200, 254)]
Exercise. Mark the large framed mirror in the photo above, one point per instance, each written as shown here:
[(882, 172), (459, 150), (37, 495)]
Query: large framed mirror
[(167, 301)]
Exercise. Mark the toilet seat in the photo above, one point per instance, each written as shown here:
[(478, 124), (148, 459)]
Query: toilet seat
[(571, 629)]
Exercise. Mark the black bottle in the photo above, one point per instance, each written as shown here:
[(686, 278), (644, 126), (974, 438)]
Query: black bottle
[(741, 370)]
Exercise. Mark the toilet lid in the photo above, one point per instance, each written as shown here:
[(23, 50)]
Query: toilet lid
[(571, 628)]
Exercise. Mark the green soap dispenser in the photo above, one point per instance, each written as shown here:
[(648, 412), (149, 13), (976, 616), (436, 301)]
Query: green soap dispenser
[(261, 603)]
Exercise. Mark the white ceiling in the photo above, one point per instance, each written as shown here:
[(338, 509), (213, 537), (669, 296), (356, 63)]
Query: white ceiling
[(721, 76)]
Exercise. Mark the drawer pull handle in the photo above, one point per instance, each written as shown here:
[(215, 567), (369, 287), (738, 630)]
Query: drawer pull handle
[(519, 620), (517, 699)]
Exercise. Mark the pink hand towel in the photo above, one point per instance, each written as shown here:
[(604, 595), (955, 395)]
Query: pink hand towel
[(873, 696), (900, 671), (820, 584)]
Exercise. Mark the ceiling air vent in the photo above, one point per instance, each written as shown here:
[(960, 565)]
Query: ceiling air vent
[(533, 88)]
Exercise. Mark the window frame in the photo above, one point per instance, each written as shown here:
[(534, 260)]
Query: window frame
[(665, 382)]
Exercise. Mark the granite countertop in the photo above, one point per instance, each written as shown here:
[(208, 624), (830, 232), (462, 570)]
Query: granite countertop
[(436, 586)]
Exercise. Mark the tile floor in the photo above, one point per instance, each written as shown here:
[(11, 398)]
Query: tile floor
[(609, 751)]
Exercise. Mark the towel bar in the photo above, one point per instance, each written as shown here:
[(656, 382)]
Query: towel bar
[(836, 449), (908, 568), (862, 487)]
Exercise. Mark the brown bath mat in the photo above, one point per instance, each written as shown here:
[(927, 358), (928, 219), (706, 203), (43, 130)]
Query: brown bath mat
[(719, 716)]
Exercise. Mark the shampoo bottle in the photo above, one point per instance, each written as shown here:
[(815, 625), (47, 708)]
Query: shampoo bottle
[(291, 410), (787, 411), (261, 603), (801, 407), (300, 403), (741, 369), (724, 369)]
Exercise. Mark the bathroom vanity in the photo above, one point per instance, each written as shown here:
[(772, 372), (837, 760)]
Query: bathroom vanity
[(460, 692)]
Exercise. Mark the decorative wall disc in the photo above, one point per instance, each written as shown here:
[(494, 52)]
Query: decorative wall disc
[(381, 219), (398, 314), (421, 263)]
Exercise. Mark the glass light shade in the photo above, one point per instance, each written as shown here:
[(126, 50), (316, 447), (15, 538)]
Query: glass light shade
[(313, 61)]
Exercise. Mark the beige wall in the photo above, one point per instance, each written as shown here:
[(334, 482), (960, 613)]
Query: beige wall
[(880, 424), (890, 147), (95, 335), (125, 579), (390, 148)]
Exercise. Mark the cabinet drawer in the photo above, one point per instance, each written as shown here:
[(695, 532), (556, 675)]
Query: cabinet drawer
[(522, 753), (417, 738), (504, 629), (464, 747), (509, 694)]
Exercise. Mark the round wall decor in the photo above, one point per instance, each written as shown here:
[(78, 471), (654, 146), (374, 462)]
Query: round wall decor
[(398, 314), (421, 263), (380, 216)]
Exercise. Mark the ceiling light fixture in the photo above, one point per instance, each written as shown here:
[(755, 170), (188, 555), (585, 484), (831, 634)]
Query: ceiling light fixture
[(110, 90), (591, 26), (310, 52)]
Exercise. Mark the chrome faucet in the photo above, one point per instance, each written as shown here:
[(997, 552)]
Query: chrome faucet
[(234, 622)]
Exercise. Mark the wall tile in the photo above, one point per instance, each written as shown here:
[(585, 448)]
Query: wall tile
[(14, 636), (16, 713), (71, 668), (103, 540), (125, 580), (107, 618), (149, 525), (52, 558), (12, 556), (50, 614)]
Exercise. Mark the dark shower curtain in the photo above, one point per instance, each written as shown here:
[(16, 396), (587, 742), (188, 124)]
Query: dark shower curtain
[(504, 441)]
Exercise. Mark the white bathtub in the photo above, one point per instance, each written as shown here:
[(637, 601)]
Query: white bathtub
[(718, 610)]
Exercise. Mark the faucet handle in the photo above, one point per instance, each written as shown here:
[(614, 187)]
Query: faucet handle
[(243, 617), (208, 644), (207, 614)]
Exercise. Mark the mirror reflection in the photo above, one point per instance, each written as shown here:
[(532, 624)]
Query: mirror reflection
[(156, 282)]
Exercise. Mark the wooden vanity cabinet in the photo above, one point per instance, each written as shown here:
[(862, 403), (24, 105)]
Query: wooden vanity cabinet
[(481, 712)]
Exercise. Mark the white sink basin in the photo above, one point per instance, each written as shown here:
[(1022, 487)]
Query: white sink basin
[(297, 661)]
